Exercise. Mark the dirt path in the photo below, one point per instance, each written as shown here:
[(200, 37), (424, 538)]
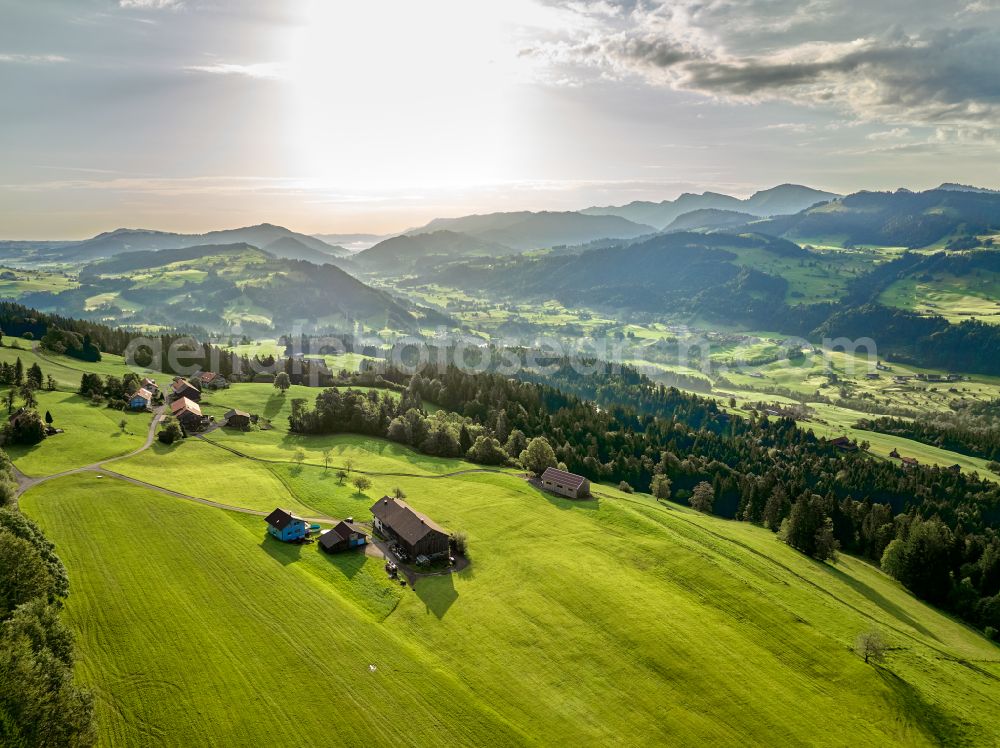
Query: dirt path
[(24, 482)]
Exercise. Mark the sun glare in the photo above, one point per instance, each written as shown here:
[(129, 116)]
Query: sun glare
[(429, 89)]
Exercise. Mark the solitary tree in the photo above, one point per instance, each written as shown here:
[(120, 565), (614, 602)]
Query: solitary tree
[(299, 456), (362, 483), (327, 452), (122, 424), (349, 464), (398, 493), (660, 486), (48, 418), (871, 645), (703, 497), (538, 455), (282, 382), (341, 476)]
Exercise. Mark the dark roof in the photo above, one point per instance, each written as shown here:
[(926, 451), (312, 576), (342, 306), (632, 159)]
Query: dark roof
[(340, 534), (406, 522), (280, 518), (570, 480), (235, 412), (182, 404)]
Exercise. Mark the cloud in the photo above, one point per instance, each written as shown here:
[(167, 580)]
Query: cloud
[(149, 4), (261, 70), (762, 51), (33, 59)]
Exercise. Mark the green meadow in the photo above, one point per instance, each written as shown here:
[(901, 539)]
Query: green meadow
[(615, 620)]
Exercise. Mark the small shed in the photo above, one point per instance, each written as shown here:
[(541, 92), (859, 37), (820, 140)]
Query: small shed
[(140, 399), (237, 419), (285, 526), (344, 536), (566, 484), (150, 384)]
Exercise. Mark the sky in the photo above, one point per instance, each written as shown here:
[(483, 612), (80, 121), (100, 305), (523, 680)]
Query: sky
[(329, 116)]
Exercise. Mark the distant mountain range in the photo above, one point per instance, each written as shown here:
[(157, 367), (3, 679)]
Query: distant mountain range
[(781, 200), (950, 216), (525, 230), (277, 240)]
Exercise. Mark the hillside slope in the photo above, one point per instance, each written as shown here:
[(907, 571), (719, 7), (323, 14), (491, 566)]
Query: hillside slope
[(400, 253), (216, 286), (612, 620), (116, 242)]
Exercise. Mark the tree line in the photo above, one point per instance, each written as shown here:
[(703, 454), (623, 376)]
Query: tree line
[(40, 703)]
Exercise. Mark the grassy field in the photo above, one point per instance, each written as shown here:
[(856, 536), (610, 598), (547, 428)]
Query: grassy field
[(91, 433), (955, 298), (608, 621)]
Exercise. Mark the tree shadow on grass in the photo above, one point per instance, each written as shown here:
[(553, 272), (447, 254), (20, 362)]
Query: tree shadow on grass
[(437, 593), (273, 405), (937, 725), (284, 553), (348, 562), (560, 502), (876, 597)]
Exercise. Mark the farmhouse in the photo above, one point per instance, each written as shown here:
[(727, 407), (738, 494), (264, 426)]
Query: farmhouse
[(285, 526), (909, 461), (568, 484), (187, 412), (344, 536), (872, 375), (842, 442), (150, 385), (237, 419), (140, 399), (183, 388), (211, 380), (416, 533)]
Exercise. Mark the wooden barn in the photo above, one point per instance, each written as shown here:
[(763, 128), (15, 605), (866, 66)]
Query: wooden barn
[(416, 533), (344, 536), (150, 384), (140, 399), (187, 412), (183, 388), (566, 484), (237, 419), (285, 526)]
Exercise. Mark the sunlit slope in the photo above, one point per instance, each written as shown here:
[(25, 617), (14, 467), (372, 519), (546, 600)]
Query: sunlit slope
[(609, 621)]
